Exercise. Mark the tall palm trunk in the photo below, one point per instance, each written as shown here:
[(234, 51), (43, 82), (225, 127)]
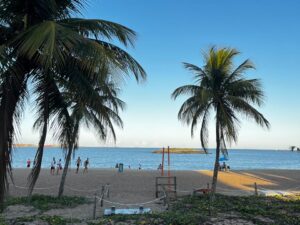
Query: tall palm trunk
[(216, 167), (72, 136), (65, 171), (4, 153), (35, 172), (13, 88)]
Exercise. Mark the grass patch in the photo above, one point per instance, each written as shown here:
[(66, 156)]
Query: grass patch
[(196, 210), (2, 221), (44, 202)]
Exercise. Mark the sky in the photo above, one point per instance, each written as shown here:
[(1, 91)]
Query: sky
[(170, 32)]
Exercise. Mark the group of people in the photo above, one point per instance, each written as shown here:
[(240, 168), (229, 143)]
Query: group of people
[(59, 166), (224, 167), (85, 165)]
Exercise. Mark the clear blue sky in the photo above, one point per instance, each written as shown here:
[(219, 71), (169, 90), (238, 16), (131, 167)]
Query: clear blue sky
[(171, 32)]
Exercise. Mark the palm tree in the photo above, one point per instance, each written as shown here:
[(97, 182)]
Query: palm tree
[(222, 89), (98, 108), (37, 40)]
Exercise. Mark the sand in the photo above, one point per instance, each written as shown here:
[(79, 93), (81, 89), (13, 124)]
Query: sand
[(133, 186)]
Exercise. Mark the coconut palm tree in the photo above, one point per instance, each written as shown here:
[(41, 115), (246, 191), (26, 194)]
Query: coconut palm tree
[(221, 89), (37, 39), (98, 108)]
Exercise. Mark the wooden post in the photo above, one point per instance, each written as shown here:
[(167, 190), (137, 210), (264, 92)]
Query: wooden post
[(95, 205), (107, 195), (169, 168), (255, 189), (102, 195)]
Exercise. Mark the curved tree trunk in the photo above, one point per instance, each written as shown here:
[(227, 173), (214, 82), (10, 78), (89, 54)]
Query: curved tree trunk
[(35, 172), (65, 171), (216, 167)]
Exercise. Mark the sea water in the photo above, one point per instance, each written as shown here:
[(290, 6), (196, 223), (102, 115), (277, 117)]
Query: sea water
[(238, 159)]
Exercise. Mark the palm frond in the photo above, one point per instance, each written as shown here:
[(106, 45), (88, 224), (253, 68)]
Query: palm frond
[(100, 29)]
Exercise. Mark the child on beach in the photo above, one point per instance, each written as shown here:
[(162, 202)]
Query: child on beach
[(86, 163), (28, 163), (59, 167), (52, 170), (78, 163)]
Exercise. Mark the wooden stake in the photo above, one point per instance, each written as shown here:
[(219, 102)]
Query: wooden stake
[(255, 189), (95, 205)]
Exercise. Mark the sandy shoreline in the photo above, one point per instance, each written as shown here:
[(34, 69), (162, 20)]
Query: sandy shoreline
[(140, 185)]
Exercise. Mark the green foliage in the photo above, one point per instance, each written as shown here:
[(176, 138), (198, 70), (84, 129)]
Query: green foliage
[(2, 221), (54, 220), (43, 202), (195, 210)]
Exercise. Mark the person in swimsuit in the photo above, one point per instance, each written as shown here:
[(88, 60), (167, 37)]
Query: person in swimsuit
[(78, 163), (28, 163), (52, 170), (86, 163), (59, 167)]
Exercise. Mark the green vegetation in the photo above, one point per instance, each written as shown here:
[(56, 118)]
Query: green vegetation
[(185, 211), (181, 151), (44, 203), (220, 88), (194, 210)]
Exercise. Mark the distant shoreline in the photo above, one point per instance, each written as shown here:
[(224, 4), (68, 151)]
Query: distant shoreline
[(153, 148)]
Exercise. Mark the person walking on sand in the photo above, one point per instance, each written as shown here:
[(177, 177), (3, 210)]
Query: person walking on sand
[(58, 166), (78, 163), (28, 163), (52, 170), (86, 163)]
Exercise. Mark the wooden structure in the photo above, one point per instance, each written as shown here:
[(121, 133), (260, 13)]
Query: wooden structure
[(169, 184)]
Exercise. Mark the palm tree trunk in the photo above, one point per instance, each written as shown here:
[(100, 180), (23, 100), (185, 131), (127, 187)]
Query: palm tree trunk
[(35, 172), (65, 171), (4, 157), (216, 168), (13, 87)]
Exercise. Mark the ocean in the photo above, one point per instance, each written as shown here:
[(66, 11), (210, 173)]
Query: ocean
[(238, 159)]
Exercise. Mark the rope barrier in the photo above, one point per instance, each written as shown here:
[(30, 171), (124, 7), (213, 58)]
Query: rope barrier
[(36, 188), (132, 204), (81, 190)]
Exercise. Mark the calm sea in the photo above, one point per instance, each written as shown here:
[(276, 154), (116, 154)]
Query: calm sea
[(108, 157)]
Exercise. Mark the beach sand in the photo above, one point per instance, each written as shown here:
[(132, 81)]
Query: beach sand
[(133, 186)]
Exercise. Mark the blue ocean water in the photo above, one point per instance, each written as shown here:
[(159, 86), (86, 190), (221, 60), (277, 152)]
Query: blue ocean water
[(108, 157)]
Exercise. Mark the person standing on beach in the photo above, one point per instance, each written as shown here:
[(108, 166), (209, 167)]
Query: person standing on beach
[(52, 170), (86, 163), (28, 163), (59, 167), (78, 163)]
